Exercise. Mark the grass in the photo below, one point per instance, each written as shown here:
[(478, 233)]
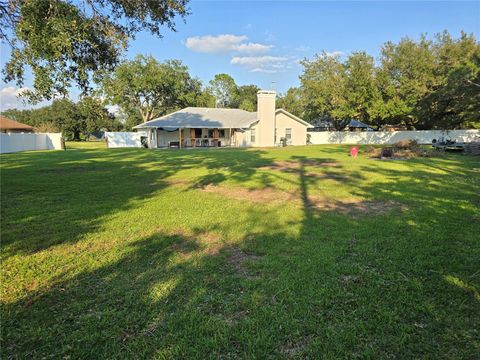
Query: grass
[(100, 144), (262, 253)]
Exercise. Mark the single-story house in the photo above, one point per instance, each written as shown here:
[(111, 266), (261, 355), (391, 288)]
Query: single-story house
[(355, 125), (345, 125), (218, 127), (322, 125), (11, 126)]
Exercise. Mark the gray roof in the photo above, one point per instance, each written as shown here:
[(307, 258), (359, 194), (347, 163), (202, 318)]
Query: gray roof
[(357, 124), (197, 117)]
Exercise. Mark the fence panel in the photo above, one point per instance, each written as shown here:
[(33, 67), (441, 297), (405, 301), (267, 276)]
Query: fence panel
[(15, 142), (384, 137), (123, 139)]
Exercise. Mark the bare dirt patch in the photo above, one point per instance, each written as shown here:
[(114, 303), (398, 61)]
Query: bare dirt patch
[(177, 182), (238, 258), (294, 166), (354, 206), (235, 318), (350, 206), (297, 167), (327, 176), (195, 243), (255, 195), (348, 278), (295, 349)]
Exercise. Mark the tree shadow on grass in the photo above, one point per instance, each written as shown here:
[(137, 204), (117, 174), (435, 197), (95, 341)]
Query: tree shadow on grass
[(322, 283), (58, 197), (409, 253), (111, 311)]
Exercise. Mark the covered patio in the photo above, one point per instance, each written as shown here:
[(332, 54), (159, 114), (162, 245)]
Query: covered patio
[(198, 128), (191, 137)]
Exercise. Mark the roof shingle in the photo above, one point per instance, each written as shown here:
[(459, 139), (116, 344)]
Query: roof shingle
[(9, 124), (198, 117)]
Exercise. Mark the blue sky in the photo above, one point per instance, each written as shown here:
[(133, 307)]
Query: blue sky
[(261, 42)]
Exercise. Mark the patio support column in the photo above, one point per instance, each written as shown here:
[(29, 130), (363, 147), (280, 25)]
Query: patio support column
[(215, 137), (179, 138), (192, 137)]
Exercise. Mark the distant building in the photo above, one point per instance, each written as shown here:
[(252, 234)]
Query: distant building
[(355, 125), (322, 125), (345, 125), (11, 126)]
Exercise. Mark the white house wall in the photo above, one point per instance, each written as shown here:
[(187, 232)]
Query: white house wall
[(244, 137), (299, 131)]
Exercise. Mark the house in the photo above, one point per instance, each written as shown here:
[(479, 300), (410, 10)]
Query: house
[(355, 125), (322, 125), (204, 127), (11, 126), (345, 125)]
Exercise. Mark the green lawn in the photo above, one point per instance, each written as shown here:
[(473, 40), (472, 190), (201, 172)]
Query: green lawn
[(280, 253), (85, 144)]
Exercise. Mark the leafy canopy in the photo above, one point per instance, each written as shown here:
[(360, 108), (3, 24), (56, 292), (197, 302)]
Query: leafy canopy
[(151, 89), (225, 90), (74, 120), (424, 84), (67, 43)]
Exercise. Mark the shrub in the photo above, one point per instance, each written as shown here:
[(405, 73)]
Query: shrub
[(47, 127), (405, 144)]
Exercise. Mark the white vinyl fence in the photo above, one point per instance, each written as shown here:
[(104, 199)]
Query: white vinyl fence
[(15, 142), (385, 137), (123, 139)]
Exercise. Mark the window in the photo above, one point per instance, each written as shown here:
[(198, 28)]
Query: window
[(275, 136), (252, 136), (221, 133), (288, 134)]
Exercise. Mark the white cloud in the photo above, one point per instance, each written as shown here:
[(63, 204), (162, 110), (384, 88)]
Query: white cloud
[(334, 53), (267, 71), (13, 91), (257, 61), (253, 48), (10, 97), (265, 64), (225, 43)]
